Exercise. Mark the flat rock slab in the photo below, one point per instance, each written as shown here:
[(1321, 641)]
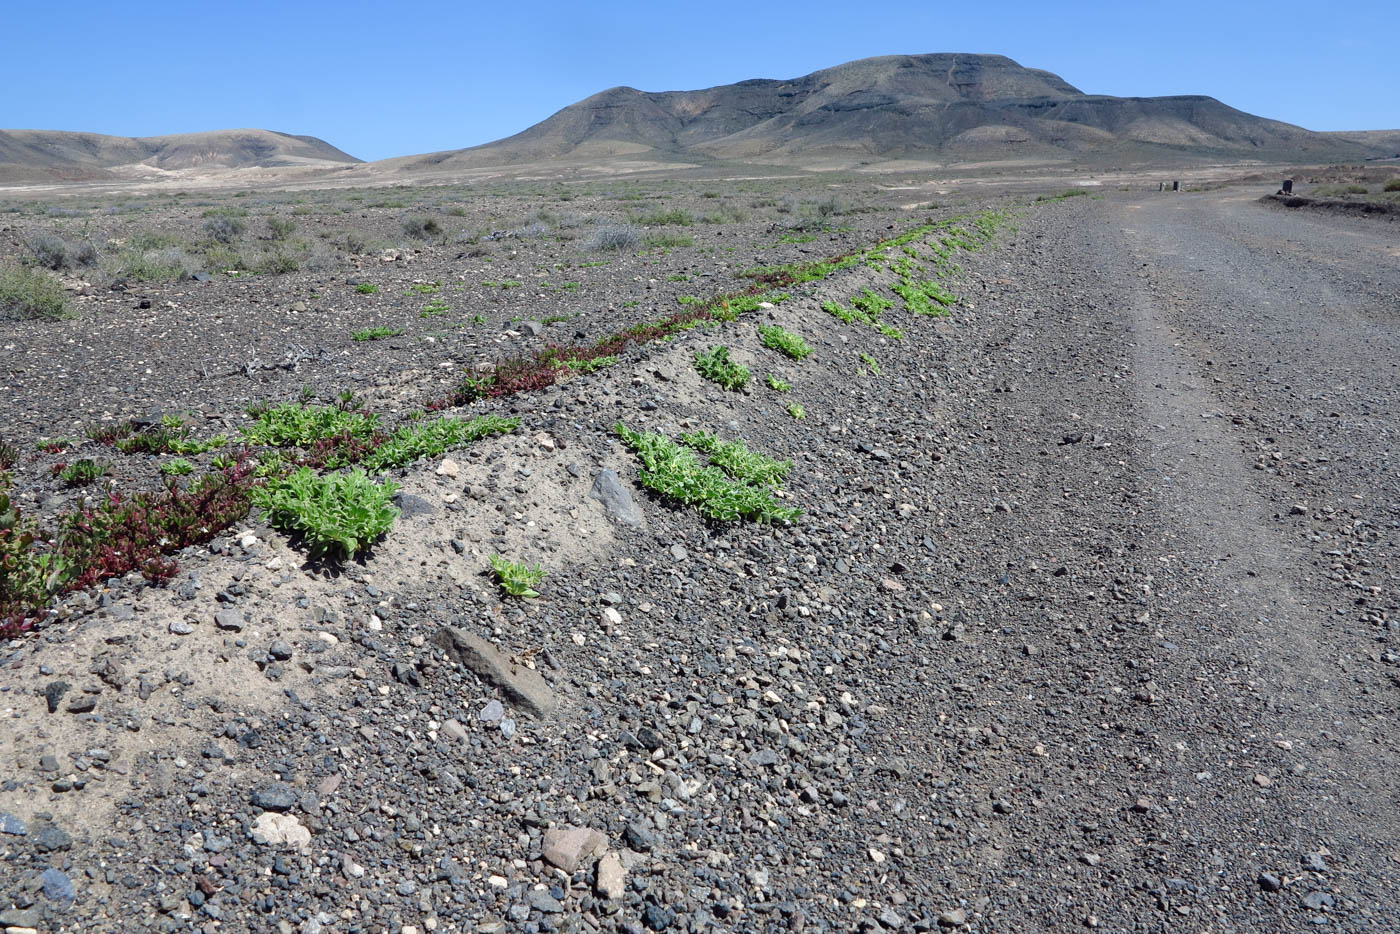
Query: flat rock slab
[(609, 490), (571, 847), (523, 686)]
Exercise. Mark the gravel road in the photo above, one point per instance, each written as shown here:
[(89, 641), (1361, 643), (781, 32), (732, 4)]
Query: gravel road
[(1091, 622)]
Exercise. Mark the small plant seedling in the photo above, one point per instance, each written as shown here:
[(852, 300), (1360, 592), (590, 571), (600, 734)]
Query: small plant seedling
[(177, 467), (515, 578), (425, 288), (785, 342), (714, 364), (83, 472), (377, 333), (366, 288), (55, 445), (796, 410), (778, 385), (433, 309), (871, 362)]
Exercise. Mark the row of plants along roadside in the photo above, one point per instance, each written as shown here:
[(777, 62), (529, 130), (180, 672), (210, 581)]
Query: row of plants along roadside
[(314, 471), (917, 286)]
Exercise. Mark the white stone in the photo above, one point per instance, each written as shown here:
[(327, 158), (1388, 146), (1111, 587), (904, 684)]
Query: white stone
[(448, 468), (272, 829)]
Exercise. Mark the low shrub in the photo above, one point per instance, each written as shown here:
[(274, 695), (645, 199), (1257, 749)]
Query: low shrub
[(224, 228), (785, 342), (1393, 184), (421, 228), (29, 294), (53, 252), (612, 238), (280, 228)]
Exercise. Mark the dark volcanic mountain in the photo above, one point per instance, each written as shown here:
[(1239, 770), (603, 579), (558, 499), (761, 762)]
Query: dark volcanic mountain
[(56, 155), (944, 107)]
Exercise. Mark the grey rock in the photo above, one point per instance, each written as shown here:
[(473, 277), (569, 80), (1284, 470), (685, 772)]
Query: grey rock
[(1317, 901), (53, 694), (617, 500), (51, 838), (181, 628), (20, 918), (412, 506), (523, 686), (280, 650), (678, 552), (454, 732), (658, 918), (492, 712), (229, 620), (12, 825), (542, 901), (57, 886), (274, 796), (507, 727), (1315, 862), (84, 704), (954, 918), (1269, 882), (638, 837)]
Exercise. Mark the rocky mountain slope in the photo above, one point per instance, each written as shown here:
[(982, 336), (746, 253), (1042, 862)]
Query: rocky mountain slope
[(953, 107), (58, 155)]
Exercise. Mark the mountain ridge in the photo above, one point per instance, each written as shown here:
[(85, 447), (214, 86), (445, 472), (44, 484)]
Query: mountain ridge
[(939, 106), (64, 155)]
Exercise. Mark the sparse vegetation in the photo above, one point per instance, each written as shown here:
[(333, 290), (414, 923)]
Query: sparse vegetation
[(366, 288), (612, 238), (785, 342), (28, 294), (376, 333), (517, 579), (421, 228), (778, 385), (84, 471), (714, 364), (871, 362), (796, 410), (1393, 184), (674, 470), (177, 467)]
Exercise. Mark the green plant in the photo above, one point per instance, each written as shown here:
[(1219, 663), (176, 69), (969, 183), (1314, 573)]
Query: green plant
[(224, 228), (177, 467), (665, 241), (9, 456), (374, 334), (431, 438), (871, 362), (674, 471), (778, 385), (714, 364), (1393, 184), (785, 342), (28, 294), (589, 366), (83, 472), (425, 288), (1067, 193), (421, 227), (341, 512), (280, 228), (735, 459), (301, 425), (796, 410), (690, 300), (517, 579), (433, 309), (663, 218), (366, 288), (55, 445), (611, 238)]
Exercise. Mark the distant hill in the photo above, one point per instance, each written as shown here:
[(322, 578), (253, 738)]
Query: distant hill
[(57, 155), (940, 107)]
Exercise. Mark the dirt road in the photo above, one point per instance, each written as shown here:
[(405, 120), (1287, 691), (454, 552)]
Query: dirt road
[(1204, 408)]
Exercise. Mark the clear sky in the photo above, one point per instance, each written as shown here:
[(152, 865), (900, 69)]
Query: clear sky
[(384, 78)]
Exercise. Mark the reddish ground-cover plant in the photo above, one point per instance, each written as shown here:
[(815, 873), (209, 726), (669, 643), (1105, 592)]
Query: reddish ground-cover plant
[(121, 534), (139, 533)]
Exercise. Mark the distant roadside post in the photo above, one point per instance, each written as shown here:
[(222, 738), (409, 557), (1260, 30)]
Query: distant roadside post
[(1288, 186)]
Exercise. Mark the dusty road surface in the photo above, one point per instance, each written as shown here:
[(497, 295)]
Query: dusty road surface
[(1092, 620), (1205, 407)]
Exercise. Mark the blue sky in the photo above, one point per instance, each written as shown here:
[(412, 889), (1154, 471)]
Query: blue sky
[(383, 79)]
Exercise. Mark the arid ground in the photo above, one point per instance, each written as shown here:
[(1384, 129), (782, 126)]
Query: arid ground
[(1087, 617)]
